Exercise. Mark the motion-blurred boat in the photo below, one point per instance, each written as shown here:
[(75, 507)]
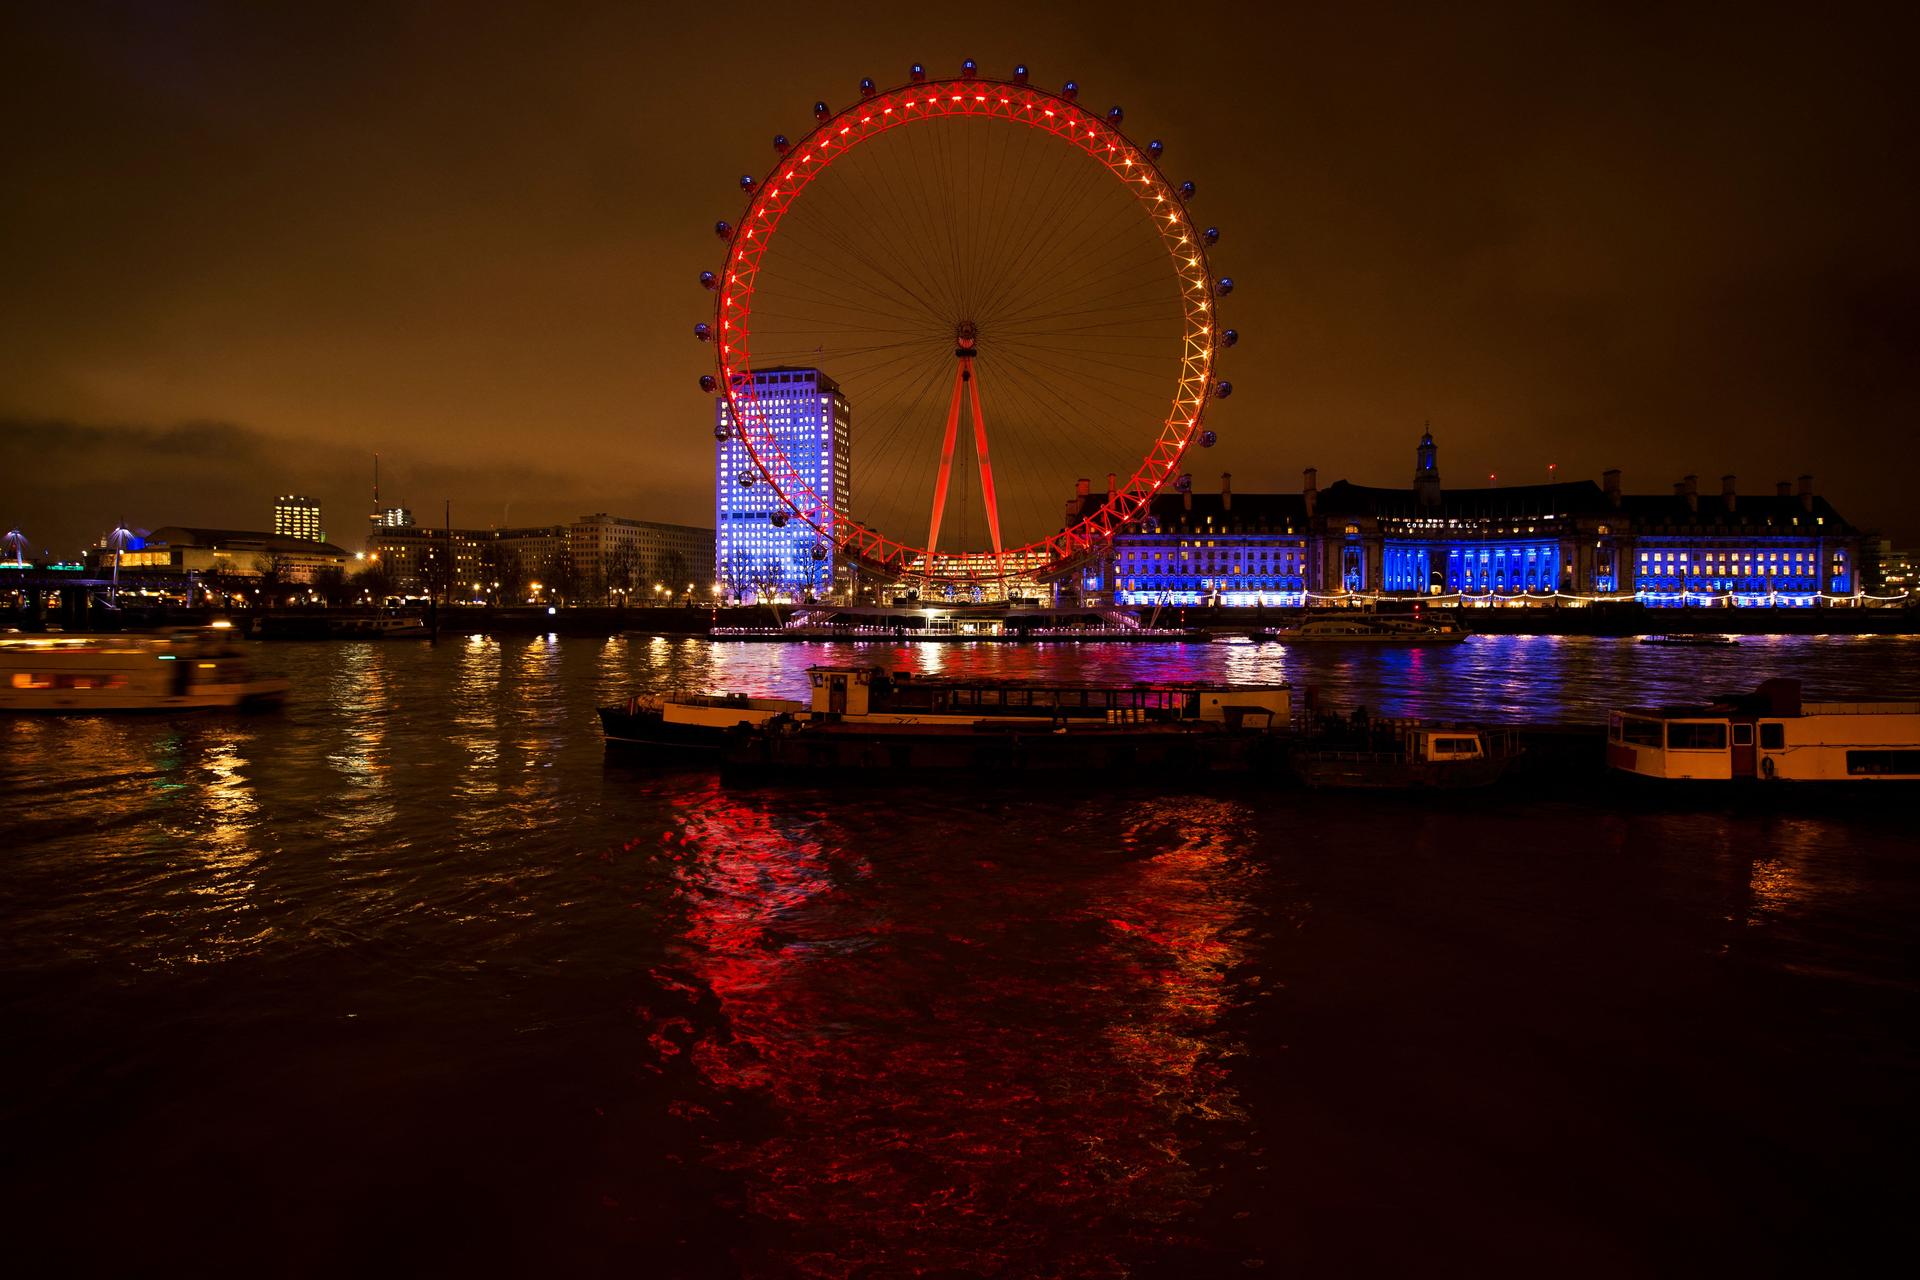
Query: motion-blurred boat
[(1698, 640), (183, 670), (1370, 629)]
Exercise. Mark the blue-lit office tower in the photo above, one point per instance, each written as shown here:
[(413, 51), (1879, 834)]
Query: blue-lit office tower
[(761, 549)]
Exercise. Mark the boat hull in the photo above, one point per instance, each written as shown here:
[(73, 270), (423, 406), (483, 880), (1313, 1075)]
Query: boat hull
[(1000, 752), (682, 731), (263, 692), (1454, 637)]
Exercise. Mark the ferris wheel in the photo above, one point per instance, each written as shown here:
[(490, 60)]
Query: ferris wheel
[(1011, 297)]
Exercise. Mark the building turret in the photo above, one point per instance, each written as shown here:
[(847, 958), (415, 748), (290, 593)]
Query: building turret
[(1426, 473)]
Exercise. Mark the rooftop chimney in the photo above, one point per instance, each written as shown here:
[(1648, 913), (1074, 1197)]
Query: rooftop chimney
[(1783, 488), (1082, 487), (1726, 491), (1310, 488), (1610, 485), (1226, 490), (1111, 480), (1186, 493), (1689, 488), (1806, 493)]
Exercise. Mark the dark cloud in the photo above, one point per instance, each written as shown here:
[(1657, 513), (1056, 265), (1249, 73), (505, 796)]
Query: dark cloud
[(1666, 239), (81, 479)]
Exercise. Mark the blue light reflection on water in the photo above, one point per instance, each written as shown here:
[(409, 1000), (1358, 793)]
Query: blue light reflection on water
[(1556, 679)]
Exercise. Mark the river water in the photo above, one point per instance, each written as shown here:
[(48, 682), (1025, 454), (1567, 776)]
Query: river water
[(412, 974)]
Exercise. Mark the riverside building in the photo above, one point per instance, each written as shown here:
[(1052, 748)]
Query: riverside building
[(297, 517), (761, 549), (1571, 541), (597, 557)]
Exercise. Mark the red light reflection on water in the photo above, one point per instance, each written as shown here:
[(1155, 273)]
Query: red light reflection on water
[(980, 1060)]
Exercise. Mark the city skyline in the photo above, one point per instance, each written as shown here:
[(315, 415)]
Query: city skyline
[(1703, 269)]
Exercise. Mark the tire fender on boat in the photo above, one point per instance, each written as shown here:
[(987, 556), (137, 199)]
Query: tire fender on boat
[(1766, 766)]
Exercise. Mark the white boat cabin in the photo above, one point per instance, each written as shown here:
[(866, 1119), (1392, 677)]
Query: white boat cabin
[(1770, 734)]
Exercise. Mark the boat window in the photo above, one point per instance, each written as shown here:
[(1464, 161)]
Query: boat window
[(1640, 733), (1743, 735), (32, 680), (1688, 736), (1773, 737), (1016, 697), (1871, 763), (1455, 746)]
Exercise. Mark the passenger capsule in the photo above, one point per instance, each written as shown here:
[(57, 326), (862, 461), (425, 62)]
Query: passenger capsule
[(968, 68), (709, 385), (1070, 90), (1115, 115), (778, 519), (708, 280), (1230, 338), (703, 331), (1155, 147), (821, 111), (866, 87), (1211, 235), (1186, 191), (1224, 389), (780, 144), (1020, 74), (1225, 286), (723, 229), (746, 183), (1208, 439), (819, 551), (721, 433), (746, 479), (917, 72), (1183, 485)]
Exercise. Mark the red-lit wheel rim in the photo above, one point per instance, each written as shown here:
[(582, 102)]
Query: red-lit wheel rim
[(1160, 203)]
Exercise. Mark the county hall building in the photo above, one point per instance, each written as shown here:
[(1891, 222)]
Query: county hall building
[(1524, 543)]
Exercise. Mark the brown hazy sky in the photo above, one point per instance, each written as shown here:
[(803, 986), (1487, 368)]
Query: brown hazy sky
[(245, 246)]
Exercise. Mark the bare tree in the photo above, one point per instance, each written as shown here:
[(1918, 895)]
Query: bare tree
[(623, 569), (376, 581), (331, 582), (558, 577), (272, 574)]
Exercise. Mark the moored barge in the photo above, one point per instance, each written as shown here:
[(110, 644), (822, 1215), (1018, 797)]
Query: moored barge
[(1402, 755), (1772, 735), (683, 725), (866, 720)]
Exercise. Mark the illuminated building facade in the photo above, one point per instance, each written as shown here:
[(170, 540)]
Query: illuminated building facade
[(640, 559), (596, 558), (761, 549), (1541, 542), (297, 517), (175, 550), (1236, 550)]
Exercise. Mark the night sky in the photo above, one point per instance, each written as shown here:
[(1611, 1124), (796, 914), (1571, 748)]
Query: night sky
[(245, 247)]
